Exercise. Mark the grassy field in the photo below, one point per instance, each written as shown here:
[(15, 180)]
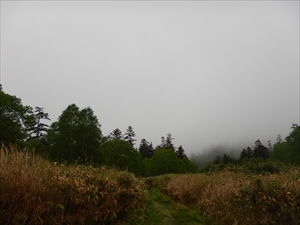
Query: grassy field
[(36, 191), (236, 198), (160, 209)]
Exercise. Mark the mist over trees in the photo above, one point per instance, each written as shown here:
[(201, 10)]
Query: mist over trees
[(214, 154), (76, 137)]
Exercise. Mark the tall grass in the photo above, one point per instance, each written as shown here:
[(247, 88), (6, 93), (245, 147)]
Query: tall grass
[(235, 198), (36, 191)]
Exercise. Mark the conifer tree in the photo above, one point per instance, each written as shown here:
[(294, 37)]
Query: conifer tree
[(168, 143), (260, 150), (39, 128), (116, 134), (180, 152), (146, 149), (129, 136)]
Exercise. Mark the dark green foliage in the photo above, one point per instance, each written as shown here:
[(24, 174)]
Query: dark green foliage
[(37, 140), (162, 210), (163, 143), (218, 159), (76, 136), (246, 153), (15, 119), (251, 166), (249, 152), (260, 151), (279, 139), (129, 136), (243, 154), (166, 161), (180, 152), (288, 151), (39, 128), (168, 142), (116, 134), (146, 149), (259, 166), (189, 166), (226, 159), (121, 154)]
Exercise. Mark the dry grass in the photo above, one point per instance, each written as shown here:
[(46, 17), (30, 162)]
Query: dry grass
[(36, 191), (233, 198)]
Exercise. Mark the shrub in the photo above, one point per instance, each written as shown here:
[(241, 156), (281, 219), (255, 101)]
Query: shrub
[(35, 191), (235, 198)]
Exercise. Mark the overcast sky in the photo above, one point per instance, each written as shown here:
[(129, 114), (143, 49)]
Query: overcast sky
[(206, 72)]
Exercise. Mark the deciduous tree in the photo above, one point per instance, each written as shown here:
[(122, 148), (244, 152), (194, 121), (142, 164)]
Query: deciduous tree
[(76, 136), (15, 119), (121, 154)]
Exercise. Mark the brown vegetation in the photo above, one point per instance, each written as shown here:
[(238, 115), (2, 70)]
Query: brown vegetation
[(36, 191), (235, 198)]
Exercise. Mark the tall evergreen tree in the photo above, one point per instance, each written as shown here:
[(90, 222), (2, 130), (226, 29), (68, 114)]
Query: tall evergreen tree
[(116, 134), (129, 136), (270, 146), (39, 128), (146, 149), (151, 150), (249, 152), (168, 143), (226, 159), (294, 126), (243, 154), (180, 152), (246, 153), (279, 139), (163, 142), (260, 150)]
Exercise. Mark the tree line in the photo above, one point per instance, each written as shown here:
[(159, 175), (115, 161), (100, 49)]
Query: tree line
[(286, 151), (76, 137)]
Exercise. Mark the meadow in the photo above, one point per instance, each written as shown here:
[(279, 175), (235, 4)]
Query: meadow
[(228, 197), (34, 190)]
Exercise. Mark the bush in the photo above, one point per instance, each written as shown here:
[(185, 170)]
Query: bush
[(35, 191), (233, 198)]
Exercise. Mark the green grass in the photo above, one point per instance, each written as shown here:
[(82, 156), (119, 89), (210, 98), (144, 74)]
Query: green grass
[(159, 209)]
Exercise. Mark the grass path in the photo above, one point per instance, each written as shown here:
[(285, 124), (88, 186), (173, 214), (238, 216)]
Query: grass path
[(161, 210)]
